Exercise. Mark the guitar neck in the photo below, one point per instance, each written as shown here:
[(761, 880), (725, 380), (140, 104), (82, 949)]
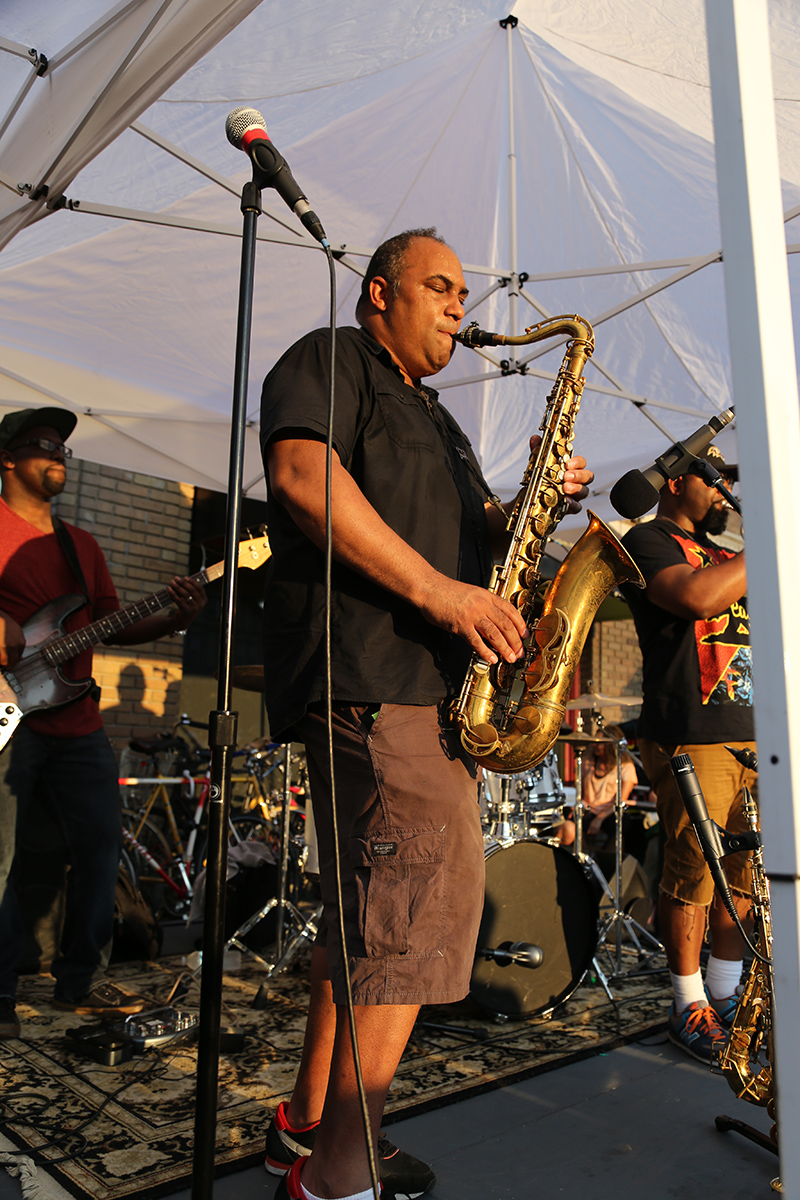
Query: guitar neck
[(72, 644)]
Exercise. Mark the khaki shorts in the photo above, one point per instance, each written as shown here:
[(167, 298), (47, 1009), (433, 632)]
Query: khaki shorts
[(412, 858), (686, 876)]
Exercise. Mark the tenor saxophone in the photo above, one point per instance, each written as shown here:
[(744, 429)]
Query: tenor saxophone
[(506, 731)]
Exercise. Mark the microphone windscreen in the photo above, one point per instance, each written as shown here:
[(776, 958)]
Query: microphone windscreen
[(633, 495), (239, 121)]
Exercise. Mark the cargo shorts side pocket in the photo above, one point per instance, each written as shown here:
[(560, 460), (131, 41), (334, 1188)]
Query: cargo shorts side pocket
[(401, 885)]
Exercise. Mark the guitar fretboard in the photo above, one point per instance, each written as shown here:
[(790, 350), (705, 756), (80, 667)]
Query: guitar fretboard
[(70, 644)]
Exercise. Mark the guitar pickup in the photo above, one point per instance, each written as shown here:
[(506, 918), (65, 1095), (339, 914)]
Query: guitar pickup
[(13, 683)]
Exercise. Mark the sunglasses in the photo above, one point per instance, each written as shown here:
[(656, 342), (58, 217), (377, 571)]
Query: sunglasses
[(46, 445)]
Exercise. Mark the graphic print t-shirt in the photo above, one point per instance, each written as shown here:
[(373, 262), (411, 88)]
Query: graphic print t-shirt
[(698, 680)]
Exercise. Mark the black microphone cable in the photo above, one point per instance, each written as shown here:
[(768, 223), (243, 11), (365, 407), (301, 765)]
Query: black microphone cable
[(329, 720)]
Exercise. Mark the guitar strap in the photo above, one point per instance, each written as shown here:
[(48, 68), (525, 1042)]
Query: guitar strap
[(70, 553)]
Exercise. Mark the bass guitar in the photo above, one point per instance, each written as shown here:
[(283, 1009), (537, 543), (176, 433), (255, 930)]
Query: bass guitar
[(36, 681)]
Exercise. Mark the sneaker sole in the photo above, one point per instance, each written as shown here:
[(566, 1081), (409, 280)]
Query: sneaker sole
[(276, 1168)]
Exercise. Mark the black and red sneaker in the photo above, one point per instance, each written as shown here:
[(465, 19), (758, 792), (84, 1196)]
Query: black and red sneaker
[(285, 1144), (402, 1176)]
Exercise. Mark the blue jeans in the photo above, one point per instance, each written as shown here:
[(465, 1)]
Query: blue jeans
[(76, 778)]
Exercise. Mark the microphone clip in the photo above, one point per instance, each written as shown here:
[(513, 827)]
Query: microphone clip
[(712, 478), (726, 843)]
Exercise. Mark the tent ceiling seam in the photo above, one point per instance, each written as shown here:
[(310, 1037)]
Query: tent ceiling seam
[(105, 415)]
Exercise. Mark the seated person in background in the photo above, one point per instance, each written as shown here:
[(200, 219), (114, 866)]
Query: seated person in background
[(600, 785)]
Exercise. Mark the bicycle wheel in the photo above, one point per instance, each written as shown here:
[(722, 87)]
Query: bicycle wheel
[(160, 879)]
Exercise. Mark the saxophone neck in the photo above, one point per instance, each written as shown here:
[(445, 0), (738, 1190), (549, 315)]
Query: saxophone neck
[(574, 327)]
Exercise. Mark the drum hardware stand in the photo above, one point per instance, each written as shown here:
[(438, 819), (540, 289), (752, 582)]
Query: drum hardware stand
[(586, 861), (306, 929), (618, 918), (503, 831)]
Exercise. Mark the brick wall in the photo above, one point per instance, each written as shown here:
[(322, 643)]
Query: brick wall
[(612, 665), (143, 526)]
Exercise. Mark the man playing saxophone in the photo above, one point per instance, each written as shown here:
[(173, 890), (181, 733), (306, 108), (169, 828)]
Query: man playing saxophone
[(413, 540), (694, 633)]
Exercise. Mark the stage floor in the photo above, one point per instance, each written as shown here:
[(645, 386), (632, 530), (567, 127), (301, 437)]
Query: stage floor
[(634, 1124)]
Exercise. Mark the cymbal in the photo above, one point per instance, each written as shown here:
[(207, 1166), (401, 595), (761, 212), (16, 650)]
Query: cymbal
[(579, 738), (249, 678), (598, 700)]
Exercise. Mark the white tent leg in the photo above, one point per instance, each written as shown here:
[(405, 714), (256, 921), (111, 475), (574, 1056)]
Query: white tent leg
[(765, 392)]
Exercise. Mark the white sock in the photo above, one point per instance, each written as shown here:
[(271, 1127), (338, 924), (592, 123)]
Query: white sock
[(688, 990), (367, 1195), (722, 977)]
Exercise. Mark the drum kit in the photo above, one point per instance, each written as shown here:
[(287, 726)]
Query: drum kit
[(549, 909)]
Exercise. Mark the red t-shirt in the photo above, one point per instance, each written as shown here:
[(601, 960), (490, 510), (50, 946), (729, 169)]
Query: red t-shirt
[(33, 572)]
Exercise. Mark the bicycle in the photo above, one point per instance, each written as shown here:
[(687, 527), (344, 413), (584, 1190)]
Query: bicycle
[(166, 858)]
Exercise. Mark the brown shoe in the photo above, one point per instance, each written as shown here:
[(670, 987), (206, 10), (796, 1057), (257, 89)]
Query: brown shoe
[(104, 1000)]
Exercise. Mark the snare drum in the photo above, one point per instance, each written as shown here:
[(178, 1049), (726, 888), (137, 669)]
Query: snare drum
[(537, 893)]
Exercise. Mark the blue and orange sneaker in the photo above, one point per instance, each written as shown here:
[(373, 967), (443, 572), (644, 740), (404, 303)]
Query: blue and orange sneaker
[(725, 1009), (697, 1030)]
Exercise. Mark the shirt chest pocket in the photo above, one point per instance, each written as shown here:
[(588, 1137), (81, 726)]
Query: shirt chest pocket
[(407, 423)]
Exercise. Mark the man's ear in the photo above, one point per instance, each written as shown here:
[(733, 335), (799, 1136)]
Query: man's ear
[(675, 486), (7, 460), (379, 293)]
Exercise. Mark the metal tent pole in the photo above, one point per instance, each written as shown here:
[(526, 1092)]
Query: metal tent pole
[(765, 391), (510, 24)]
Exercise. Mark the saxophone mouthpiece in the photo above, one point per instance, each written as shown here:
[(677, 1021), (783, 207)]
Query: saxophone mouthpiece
[(472, 336)]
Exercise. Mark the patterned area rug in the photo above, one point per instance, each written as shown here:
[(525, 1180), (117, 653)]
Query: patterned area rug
[(127, 1130)]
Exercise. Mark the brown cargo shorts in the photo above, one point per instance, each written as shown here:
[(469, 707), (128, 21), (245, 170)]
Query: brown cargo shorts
[(411, 851), (686, 876)]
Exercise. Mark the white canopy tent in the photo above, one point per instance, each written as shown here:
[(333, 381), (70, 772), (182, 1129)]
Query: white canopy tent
[(567, 153), (568, 158)]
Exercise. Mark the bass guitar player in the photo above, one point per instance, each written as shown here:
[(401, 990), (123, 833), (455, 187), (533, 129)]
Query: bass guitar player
[(62, 754)]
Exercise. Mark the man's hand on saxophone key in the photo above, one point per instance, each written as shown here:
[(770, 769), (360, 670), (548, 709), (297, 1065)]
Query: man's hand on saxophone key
[(576, 480), (492, 627)]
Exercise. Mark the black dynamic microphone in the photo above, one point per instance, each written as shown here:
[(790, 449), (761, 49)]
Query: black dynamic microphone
[(707, 831), (246, 129), (637, 491), (521, 954)]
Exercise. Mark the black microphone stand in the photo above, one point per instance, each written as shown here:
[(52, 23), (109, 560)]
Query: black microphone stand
[(222, 737)]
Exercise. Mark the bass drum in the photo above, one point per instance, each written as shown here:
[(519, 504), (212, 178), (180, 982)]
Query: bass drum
[(536, 892)]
